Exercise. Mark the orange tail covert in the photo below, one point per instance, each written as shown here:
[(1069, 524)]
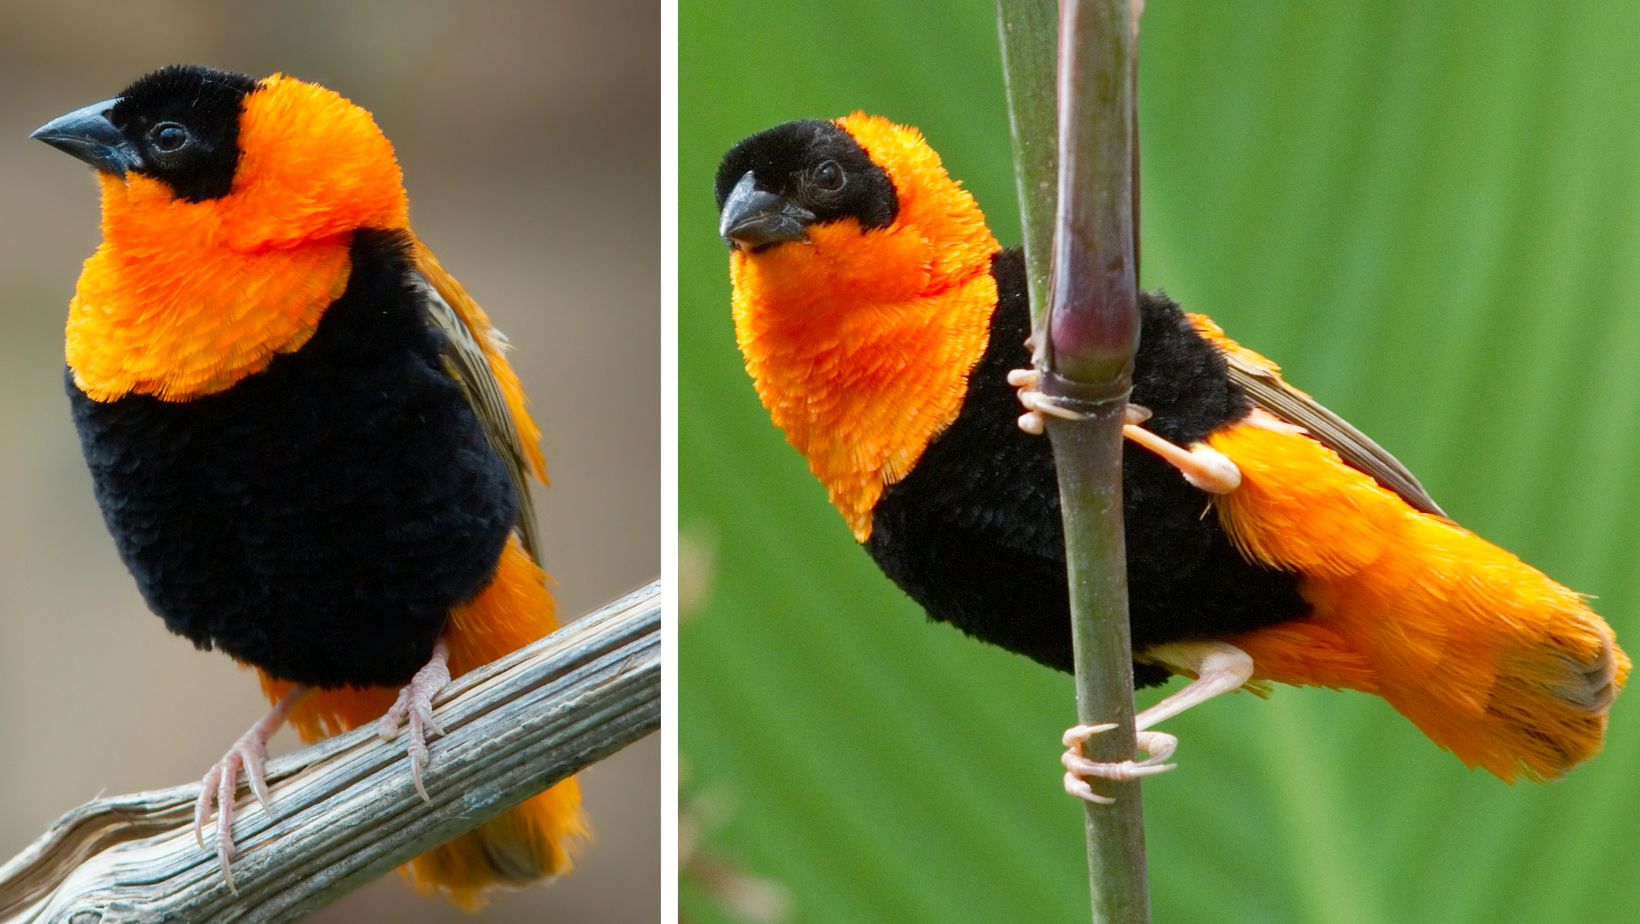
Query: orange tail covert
[(1494, 661), (538, 838)]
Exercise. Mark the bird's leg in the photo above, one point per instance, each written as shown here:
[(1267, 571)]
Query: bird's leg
[(1219, 668), (415, 707), (250, 754), (1200, 464), (1203, 466)]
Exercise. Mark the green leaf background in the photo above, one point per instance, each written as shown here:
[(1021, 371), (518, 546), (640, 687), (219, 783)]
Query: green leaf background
[(1430, 215)]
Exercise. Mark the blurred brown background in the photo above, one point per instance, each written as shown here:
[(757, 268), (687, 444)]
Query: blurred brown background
[(529, 136)]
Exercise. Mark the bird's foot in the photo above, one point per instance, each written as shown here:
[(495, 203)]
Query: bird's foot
[(1028, 385), (1200, 464), (414, 707), (1158, 747), (249, 755), (1038, 406)]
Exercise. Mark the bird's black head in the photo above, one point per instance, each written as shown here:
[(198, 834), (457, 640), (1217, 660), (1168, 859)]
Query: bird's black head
[(772, 186), (179, 125)]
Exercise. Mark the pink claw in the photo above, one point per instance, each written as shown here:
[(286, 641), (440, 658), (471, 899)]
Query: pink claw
[(1158, 747), (220, 784), (415, 704)]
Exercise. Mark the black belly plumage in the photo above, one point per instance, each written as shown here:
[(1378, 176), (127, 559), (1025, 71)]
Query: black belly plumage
[(973, 533), (319, 519)]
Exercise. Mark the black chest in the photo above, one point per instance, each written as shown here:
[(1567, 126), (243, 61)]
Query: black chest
[(318, 519), (973, 534)]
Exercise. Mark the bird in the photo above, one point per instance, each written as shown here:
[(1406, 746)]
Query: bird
[(303, 433), (885, 329)]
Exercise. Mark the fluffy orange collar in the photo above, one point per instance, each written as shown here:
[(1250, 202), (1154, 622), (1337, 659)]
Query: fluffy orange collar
[(860, 342)]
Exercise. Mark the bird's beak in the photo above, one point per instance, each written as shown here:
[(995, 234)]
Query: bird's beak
[(87, 134), (753, 218)]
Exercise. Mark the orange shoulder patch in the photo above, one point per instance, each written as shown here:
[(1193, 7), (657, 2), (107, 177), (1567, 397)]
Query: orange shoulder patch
[(542, 835), (1214, 334)]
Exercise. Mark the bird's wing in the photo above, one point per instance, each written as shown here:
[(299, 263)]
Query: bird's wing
[(1261, 380), (477, 360)]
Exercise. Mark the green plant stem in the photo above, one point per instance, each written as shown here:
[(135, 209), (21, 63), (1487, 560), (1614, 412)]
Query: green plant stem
[(1085, 344), (1088, 457), (1029, 30), (1094, 322), (1093, 333)]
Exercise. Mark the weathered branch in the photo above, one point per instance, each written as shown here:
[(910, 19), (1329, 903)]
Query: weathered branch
[(345, 811)]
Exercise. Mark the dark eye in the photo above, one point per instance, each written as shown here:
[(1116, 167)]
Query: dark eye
[(828, 177), (168, 137)]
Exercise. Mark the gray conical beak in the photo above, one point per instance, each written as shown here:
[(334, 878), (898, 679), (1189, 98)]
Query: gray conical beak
[(88, 135), (753, 218)]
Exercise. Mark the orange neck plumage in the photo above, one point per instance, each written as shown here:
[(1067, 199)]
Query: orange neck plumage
[(164, 308), (860, 342), (184, 299)]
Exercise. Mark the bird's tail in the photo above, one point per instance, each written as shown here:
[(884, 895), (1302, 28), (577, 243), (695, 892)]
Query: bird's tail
[(536, 839), (1490, 658)]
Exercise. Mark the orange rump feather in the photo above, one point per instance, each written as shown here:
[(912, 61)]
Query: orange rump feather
[(538, 837), (1494, 661)]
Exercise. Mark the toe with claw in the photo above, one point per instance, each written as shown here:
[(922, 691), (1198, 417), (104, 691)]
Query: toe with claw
[(1028, 383), (217, 790), (1158, 747), (1218, 668), (414, 708), (1200, 464), (221, 783)]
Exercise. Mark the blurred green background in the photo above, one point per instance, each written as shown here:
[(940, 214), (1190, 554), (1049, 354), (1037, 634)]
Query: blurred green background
[(528, 134), (1428, 214)]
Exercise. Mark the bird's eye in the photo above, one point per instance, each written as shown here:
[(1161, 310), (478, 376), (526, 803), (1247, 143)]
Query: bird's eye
[(168, 137), (828, 177)]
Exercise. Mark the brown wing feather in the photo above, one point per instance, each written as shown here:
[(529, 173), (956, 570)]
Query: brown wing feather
[(1261, 380), (471, 364)]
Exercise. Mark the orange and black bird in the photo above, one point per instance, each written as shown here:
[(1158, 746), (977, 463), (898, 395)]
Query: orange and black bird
[(1268, 540), (304, 435)]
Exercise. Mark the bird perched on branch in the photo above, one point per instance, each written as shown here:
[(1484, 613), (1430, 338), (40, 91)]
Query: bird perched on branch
[(303, 433), (1268, 540)]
